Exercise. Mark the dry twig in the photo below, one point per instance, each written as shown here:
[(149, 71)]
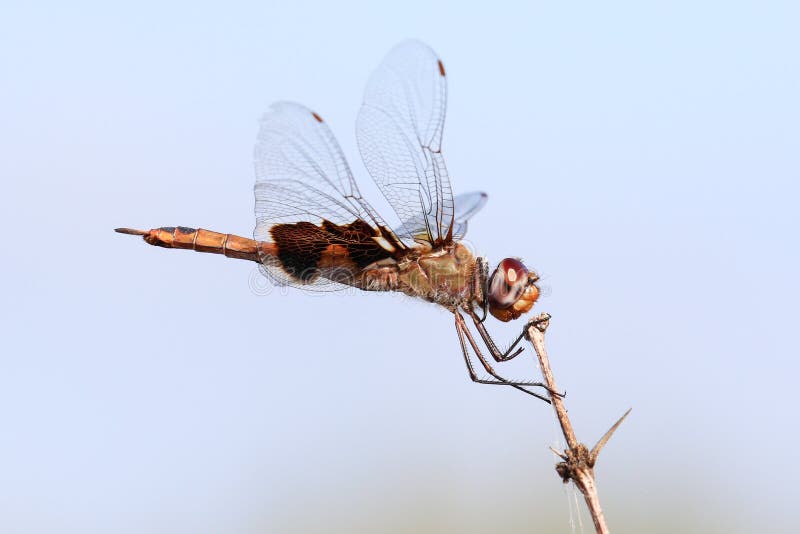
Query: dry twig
[(578, 461)]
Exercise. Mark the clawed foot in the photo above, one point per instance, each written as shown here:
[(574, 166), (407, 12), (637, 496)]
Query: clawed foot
[(540, 322)]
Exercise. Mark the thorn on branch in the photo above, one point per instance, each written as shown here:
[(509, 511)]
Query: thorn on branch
[(600, 444), (560, 455)]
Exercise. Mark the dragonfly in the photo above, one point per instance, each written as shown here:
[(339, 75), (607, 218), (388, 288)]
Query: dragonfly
[(315, 231)]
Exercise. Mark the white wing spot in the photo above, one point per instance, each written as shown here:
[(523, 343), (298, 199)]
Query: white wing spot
[(384, 244)]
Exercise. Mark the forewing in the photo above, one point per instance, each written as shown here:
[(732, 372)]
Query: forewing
[(399, 131), (307, 199)]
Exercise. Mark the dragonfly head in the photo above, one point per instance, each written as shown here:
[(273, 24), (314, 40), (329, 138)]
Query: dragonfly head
[(512, 290)]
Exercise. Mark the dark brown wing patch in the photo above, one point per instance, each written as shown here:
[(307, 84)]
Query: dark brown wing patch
[(301, 246), (357, 238)]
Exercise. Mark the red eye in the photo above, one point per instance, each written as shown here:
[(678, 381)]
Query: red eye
[(507, 283)]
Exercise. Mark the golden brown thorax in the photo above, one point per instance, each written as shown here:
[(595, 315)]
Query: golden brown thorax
[(443, 276)]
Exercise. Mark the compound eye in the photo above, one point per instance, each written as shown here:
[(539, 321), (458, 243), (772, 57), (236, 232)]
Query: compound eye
[(507, 283)]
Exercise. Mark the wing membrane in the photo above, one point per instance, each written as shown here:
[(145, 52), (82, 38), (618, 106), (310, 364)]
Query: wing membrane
[(399, 131), (307, 199), (466, 205)]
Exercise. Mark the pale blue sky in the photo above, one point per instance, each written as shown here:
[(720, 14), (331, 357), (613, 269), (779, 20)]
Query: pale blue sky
[(643, 158)]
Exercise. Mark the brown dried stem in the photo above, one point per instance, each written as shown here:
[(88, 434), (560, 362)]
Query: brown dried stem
[(578, 462)]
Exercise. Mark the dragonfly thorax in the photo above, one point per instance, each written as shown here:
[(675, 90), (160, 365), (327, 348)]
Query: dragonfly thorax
[(444, 276)]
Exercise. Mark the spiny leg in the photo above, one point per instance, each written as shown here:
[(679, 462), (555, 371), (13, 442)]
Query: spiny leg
[(462, 330), (500, 356), (497, 354), (461, 327), (500, 381)]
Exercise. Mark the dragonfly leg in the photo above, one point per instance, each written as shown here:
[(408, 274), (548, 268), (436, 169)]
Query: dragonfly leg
[(497, 354), (464, 336)]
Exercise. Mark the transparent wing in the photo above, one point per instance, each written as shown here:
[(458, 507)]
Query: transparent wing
[(466, 205), (307, 199), (399, 131)]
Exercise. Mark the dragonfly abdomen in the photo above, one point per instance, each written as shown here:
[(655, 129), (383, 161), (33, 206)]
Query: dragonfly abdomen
[(200, 240)]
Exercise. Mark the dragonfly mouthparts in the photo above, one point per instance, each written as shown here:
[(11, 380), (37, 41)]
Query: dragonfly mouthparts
[(130, 231)]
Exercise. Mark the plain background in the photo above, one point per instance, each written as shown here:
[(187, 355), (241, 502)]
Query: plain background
[(643, 159)]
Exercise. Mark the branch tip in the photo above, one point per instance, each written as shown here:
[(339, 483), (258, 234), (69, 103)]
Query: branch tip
[(540, 323)]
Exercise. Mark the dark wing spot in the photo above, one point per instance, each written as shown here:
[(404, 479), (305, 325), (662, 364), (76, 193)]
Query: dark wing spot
[(319, 119), (357, 238), (441, 67), (300, 246)]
